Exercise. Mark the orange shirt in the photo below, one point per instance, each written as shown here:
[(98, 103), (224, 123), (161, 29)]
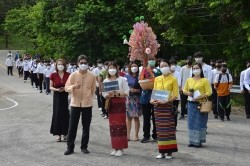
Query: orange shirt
[(223, 88), (82, 97)]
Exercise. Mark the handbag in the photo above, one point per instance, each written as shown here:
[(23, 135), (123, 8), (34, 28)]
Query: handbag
[(206, 106)]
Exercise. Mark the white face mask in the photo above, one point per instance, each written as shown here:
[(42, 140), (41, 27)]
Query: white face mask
[(48, 67), (197, 72), (99, 65), (165, 70), (134, 69), (198, 60), (60, 67), (173, 68), (112, 71), (83, 67)]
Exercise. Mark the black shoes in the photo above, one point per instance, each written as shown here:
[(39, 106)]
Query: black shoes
[(181, 117), (248, 116), (68, 152), (215, 116), (85, 151), (195, 146), (145, 140), (228, 119)]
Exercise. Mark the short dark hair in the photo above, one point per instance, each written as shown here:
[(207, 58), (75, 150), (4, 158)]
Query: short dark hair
[(99, 61), (218, 61), (198, 54), (81, 57)]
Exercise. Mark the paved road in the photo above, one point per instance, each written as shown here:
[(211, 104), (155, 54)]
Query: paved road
[(25, 139)]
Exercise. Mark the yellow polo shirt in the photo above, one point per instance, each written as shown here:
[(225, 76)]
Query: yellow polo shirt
[(168, 83)]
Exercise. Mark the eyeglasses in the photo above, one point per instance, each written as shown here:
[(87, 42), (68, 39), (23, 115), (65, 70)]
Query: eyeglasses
[(85, 63)]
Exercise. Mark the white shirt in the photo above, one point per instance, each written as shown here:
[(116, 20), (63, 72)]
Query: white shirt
[(41, 68), (246, 81), (25, 65), (186, 72), (71, 69), (30, 64), (242, 75), (223, 78), (178, 68), (9, 62), (47, 72), (207, 71), (123, 86), (19, 63), (10, 54), (34, 68)]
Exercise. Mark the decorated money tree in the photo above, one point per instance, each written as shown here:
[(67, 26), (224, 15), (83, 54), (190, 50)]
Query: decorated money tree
[(144, 47)]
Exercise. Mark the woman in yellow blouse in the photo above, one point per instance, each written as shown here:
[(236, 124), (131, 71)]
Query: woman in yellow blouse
[(164, 119), (197, 89)]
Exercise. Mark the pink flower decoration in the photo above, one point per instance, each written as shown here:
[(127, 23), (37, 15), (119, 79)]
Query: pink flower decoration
[(148, 51)]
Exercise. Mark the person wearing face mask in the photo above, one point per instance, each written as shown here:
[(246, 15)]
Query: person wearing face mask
[(97, 72), (9, 64), (40, 75), (147, 107), (186, 72), (71, 68), (174, 63), (26, 69), (60, 116), (214, 96), (134, 110), (177, 75), (102, 76), (117, 110), (207, 69), (246, 86), (165, 120), (212, 64), (223, 83), (19, 64), (47, 72), (33, 75), (81, 85), (197, 121)]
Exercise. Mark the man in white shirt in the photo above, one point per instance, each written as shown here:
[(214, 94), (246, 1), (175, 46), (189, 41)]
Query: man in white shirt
[(26, 69), (10, 54), (47, 72), (40, 74), (214, 97), (9, 64), (71, 67), (19, 66), (96, 71), (34, 74), (186, 72), (246, 84)]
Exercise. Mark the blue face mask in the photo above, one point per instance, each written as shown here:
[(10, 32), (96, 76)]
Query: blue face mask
[(151, 63)]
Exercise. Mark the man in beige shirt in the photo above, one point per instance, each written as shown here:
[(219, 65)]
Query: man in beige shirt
[(81, 85)]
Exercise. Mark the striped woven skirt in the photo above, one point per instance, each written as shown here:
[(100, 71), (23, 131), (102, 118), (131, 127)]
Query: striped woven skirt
[(165, 128), (117, 123)]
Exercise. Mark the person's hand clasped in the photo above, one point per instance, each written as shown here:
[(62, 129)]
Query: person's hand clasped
[(61, 89), (77, 85)]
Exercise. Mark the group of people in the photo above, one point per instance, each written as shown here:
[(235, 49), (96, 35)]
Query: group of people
[(190, 84)]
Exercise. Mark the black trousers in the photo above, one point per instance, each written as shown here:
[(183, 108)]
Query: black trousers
[(224, 106), (35, 79), (99, 102), (31, 78), (9, 70), (214, 99), (148, 113), (176, 104), (247, 101), (26, 75), (104, 111), (47, 82), (75, 114), (40, 80), (183, 104)]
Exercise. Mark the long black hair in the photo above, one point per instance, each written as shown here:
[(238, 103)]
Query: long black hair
[(198, 64)]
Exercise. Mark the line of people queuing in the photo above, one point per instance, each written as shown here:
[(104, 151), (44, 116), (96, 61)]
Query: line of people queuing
[(130, 101)]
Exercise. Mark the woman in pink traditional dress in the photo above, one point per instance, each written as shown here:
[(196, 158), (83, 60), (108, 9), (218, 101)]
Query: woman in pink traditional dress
[(117, 111)]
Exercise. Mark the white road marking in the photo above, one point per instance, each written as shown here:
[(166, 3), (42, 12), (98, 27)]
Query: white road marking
[(15, 104)]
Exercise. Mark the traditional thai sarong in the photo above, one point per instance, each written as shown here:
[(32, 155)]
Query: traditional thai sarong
[(197, 124), (117, 123), (165, 128)]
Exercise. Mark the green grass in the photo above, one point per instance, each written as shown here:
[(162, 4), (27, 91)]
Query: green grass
[(16, 42)]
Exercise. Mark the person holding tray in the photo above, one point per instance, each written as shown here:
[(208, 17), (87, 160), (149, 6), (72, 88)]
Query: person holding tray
[(164, 93), (197, 89), (116, 106)]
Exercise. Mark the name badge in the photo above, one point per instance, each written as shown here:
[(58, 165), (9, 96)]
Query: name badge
[(110, 86)]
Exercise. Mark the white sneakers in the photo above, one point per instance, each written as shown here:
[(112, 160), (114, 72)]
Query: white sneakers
[(161, 156), (117, 153)]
